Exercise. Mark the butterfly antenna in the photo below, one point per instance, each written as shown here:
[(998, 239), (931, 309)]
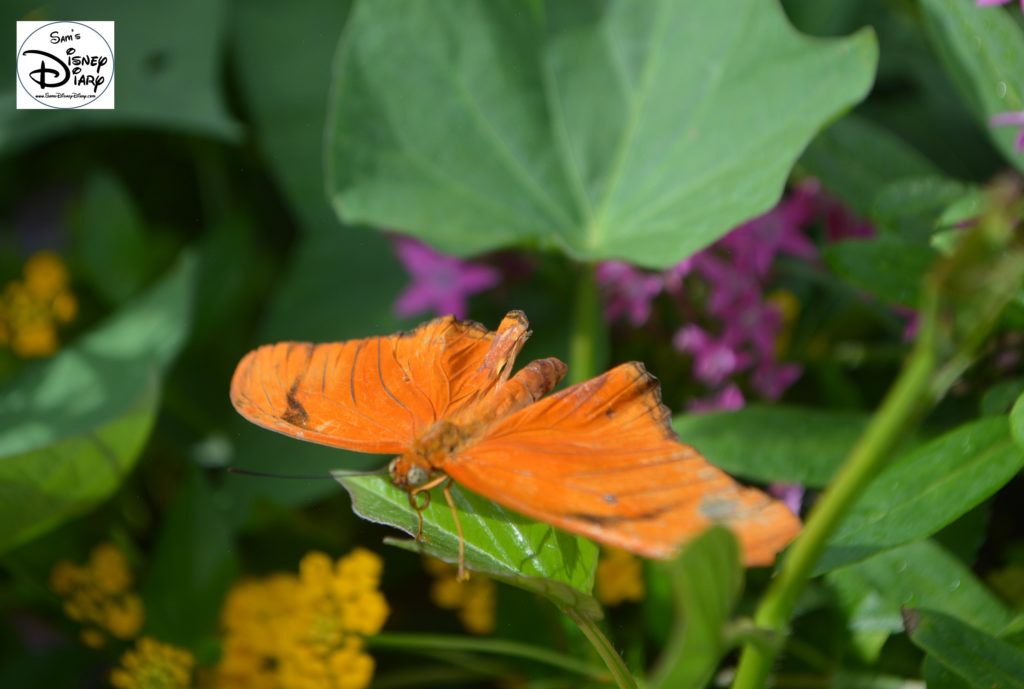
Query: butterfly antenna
[(268, 474)]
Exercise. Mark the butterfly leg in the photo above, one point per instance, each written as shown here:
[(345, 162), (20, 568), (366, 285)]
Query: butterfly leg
[(447, 490), (418, 505)]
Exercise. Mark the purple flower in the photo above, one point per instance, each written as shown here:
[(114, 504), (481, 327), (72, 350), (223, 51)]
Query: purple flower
[(1011, 119), (628, 291), (714, 360), (729, 398), (440, 283), (755, 244), (771, 378), (674, 275), (791, 495)]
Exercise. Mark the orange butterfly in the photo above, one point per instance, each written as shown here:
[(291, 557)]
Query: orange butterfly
[(598, 458)]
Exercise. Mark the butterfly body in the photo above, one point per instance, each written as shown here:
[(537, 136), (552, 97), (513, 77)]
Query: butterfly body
[(598, 458)]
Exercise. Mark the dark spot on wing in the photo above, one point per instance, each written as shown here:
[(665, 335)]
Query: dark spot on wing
[(614, 519), (295, 414), (610, 499)]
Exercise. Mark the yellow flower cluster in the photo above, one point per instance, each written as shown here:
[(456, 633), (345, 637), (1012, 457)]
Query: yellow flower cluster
[(98, 595), (305, 631), (32, 308), (473, 600), (620, 577), (154, 665)]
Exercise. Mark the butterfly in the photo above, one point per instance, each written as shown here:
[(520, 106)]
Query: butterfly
[(598, 458)]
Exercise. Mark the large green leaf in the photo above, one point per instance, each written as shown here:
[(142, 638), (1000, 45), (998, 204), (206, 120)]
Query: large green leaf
[(167, 58), (641, 131), (922, 574), (927, 489), (707, 579), (193, 564), (767, 444), (983, 50), (289, 112), (499, 542), (71, 428), (981, 660)]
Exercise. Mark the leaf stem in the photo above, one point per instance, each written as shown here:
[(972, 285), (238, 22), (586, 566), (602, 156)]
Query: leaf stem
[(907, 398), (586, 327), (616, 666), (446, 642)]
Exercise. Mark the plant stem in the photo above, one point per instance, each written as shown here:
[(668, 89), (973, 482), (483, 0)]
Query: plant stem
[(620, 673), (586, 326), (907, 398), (444, 642)]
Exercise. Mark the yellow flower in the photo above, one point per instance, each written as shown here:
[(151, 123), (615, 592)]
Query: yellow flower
[(98, 595), (31, 308), (45, 275), (474, 601), (154, 665), (305, 631), (620, 577)]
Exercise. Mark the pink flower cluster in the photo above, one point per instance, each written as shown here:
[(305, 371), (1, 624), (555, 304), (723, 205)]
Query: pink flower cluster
[(440, 284), (741, 328)]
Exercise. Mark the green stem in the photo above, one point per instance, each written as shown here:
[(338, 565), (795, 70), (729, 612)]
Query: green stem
[(620, 673), (586, 327), (907, 398), (444, 642)]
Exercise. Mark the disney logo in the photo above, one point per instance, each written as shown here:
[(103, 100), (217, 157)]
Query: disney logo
[(72, 69)]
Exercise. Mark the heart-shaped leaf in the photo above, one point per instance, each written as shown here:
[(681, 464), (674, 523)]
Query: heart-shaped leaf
[(72, 428), (499, 542), (639, 131)]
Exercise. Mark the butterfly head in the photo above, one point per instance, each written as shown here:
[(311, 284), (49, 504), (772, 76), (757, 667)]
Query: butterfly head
[(406, 474)]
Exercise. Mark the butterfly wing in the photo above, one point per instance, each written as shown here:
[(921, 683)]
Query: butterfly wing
[(376, 394), (600, 459)]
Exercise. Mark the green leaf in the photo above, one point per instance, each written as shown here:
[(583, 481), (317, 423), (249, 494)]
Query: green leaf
[(113, 250), (1017, 422), (289, 112), (71, 428), (911, 207), (983, 50), (615, 130), (167, 71), (981, 660), (769, 444), (856, 158), (890, 268), (936, 676), (927, 489), (499, 542), (924, 574), (707, 579), (1001, 398), (192, 566)]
